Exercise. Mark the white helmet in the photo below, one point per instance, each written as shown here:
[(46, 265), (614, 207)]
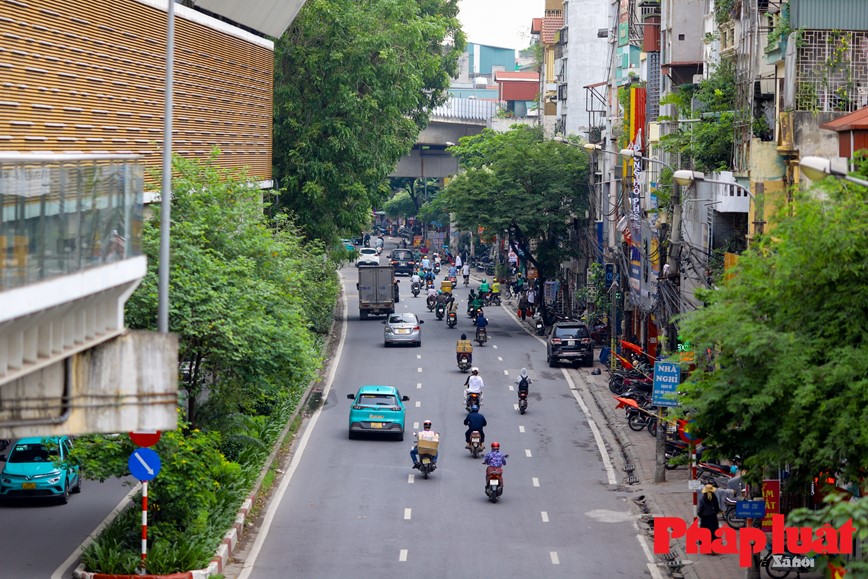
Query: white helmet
[(524, 372), (475, 370)]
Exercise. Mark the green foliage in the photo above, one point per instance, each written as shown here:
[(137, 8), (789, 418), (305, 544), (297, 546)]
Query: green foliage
[(723, 10), (354, 84), (594, 295), (708, 142), (237, 288), (837, 510), (520, 183), (401, 205), (790, 380), (114, 551)]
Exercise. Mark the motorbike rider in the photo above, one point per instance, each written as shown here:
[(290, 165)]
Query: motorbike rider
[(484, 288), (523, 382), (451, 305), (441, 299), (426, 263), (495, 288), (475, 421), (464, 347), (494, 458), (453, 272), (481, 322), (415, 280), (474, 384), (465, 271), (425, 434)]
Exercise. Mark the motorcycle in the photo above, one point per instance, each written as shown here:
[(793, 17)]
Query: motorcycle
[(467, 279), (452, 319), (436, 268), (476, 446), (416, 288), (522, 401), (472, 311), (492, 299), (494, 482), (426, 459), (440, 311), (464, 364), (431, 302), (539, 325), (473, 399), (453, 280), (481, 336)]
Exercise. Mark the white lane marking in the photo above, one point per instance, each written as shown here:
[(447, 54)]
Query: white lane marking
[(500, 358), (403, 556), (416, 425), (520, 428), (554, 556), (418, 385), (511, 389), (506, 372), (418, 369), (250, 562), (495, 347), (419, 356), (515, 406), (545, 517), (604, 454), (652, 564), (527, 452), (407, 514), (534, 481), (58, 573), (411, 478), (418, 403)]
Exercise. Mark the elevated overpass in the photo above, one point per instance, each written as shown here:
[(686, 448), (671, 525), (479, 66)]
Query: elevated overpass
[(458, 117)]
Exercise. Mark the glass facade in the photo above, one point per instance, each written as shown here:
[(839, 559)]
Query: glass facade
[(64, 213)]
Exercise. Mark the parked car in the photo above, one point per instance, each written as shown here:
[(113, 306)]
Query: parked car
[(403, 329), (402, 261), (39, 468), (570, 341), (378, 410), (368, 256)]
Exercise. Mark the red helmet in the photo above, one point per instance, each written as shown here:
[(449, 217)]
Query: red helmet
[(495, 446)]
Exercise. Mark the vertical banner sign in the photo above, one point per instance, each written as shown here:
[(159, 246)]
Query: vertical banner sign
[(667, 377), (772, 497)]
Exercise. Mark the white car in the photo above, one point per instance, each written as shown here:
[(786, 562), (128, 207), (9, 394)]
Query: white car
[(368, 256)]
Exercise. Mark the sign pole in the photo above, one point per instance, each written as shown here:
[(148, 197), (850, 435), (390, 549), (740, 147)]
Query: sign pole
[(693, 473), (144, 525)]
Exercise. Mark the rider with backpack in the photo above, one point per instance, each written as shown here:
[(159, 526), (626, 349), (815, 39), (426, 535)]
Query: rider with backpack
[(523, 381)]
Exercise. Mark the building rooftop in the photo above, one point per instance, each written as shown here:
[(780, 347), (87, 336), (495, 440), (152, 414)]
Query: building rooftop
[(857, 120)]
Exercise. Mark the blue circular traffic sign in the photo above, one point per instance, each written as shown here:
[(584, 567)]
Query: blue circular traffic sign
[(144, 464)]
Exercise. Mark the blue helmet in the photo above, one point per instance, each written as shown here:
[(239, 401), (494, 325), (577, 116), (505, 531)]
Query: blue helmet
[(474, 408)]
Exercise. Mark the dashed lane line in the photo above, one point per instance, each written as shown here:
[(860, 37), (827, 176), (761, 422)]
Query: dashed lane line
[(520, 428), (554, 557), (534, 481), (411, 478), (407, 514), (418, 403), (527, 452), (545, 516), (402, 557)]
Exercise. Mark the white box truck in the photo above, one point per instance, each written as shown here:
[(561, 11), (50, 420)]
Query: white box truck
[(378, 290)]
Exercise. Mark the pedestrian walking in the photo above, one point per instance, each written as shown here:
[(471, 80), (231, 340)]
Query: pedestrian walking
[(707, 509), (523, 306)]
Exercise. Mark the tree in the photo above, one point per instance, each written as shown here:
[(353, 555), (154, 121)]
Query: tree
[(789, 382), (236, 290), (355, 81), (519, 183), (400, 205)]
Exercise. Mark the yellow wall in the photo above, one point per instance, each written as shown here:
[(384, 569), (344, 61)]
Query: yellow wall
[(89, 76)]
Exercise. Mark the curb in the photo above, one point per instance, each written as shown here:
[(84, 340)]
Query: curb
[(630, 457), (220, 560)]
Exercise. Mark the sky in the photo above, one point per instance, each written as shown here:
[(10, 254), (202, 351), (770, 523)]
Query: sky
[(503, 23)]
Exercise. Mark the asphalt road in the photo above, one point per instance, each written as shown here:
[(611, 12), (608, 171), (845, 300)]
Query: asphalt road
[(355, 508), (37, 537)]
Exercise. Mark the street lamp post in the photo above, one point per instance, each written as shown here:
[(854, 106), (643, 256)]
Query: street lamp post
[(817, 168)]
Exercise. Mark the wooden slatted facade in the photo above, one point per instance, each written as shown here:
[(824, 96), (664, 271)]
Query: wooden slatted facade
[(90, 77)]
